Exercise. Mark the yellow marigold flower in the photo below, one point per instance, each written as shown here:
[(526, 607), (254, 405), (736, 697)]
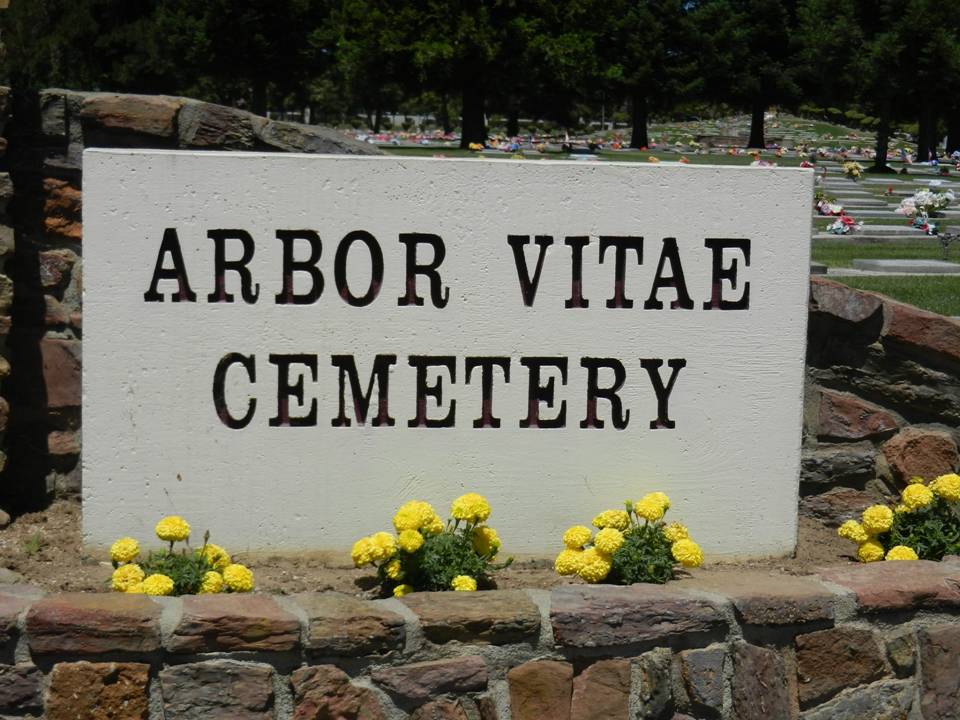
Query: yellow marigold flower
[(413, 515), (363, 552), (393, 569), (124, 550), (158, 584), (577, 536), (384, 544), (485, 540), (216, 556), (126, 576), (238, 578), (136, 588), (568, 562), (401, 590), (617, 519), (434, 527), (675, 531), (853, 531), (917, 496), (901, 552), (172, 528), (649, 509), (608, 540), (877, 519), (947, 487), (594, 566), (915, 480), (660, 498), (687, 553), (212, 583), (901, 508), (410, 541), (472, 508), (870, 551), (463, 583)]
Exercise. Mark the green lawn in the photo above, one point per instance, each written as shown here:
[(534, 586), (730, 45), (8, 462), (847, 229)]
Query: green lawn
[(939, 294), (840, 253)]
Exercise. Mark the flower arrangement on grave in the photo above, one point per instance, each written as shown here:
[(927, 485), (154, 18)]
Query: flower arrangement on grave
[(925, 203), (630, 546), (844, 225), (205, 570), (428, 554), (853, 170), (476, 147), (826, 205), (924, 525)]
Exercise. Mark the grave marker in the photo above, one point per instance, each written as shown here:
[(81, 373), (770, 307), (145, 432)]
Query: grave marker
[(284, 348)]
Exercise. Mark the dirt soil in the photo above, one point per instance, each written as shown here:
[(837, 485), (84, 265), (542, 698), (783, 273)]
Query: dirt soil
[(45, 549)]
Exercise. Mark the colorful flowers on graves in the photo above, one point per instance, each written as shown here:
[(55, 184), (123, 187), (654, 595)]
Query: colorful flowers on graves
[(428, 554), (630, 546)]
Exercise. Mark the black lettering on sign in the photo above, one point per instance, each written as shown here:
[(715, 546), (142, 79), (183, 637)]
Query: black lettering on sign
[(675, 280), (539, 393), (577, 244), (248, 290), (439, 295), (290, 266), (528, 287), (486, 365), (170, 244), (219, 389), (622, 244), (619, 418), (652, 366), (422, 363), (721, 273), (361, 401), (376, 268), (285, 390)]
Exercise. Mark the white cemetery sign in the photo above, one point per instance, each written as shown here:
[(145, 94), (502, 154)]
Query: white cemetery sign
[(284, 348)]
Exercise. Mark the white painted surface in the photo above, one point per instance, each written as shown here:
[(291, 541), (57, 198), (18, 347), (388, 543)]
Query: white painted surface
[(153, 443)]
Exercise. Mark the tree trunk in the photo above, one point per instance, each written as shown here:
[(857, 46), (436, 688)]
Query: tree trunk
[(377, 119), (472, 126), (953, 130), (926, 139), (638, 116), (756, 124), (883, 144), (513, 123), (444, 117), (258, 102)]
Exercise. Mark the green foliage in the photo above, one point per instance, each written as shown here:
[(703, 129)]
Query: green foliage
[(644, 556), (35, 543), (186, 568), (933, 531), (441, 559)]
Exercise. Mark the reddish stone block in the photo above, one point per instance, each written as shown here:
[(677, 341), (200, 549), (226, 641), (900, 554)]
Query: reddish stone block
[(702, 674), (885, 586), (921, 452), (418, 682), (940, 671), (55, 266), (4, 414), (98, 691), (760, 689), (832, 660), (608, 616), (62, 372), (841, 301), (92, 623), (147, 114), (602, 690), (66, 228), (342, 625), (226, 623), (496, 617), (11, 605), (460, 709), (847, 417), (62, 211), (323, 692), (922, 331), (837, 505), (63, 442), (218, 690), (541, 689), (20, 687)]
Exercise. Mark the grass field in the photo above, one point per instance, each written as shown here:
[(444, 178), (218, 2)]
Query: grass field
[(939, 294), (839, 253)]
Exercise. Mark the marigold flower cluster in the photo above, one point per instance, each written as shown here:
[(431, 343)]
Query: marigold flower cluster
[(206, 570), (880, 526), (593, 557), (419, 556)]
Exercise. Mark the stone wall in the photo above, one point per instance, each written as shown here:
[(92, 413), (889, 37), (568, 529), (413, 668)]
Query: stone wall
[(6, 282), (877, 642), (47, 135), (882, 399)]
